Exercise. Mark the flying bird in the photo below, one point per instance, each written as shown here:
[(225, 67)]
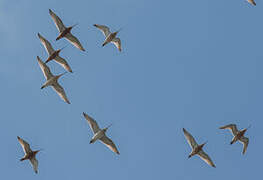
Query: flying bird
[(65, 32), (110, 37), (99, 134), (29, 154), (238, 135), (197, 149), (54, 54), (52, 80), (252, 2)]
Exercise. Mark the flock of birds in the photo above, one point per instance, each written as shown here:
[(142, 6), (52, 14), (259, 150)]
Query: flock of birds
[(98, 133)]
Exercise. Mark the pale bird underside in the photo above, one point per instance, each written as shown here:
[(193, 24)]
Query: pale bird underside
[(50, 52), (244, 140), (191, 141), (27, 151), (48, 75), (105, 140), (61, 27), (106, 31)]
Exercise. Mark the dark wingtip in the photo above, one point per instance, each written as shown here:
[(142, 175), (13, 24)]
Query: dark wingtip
[(18, 137), (50, 11)]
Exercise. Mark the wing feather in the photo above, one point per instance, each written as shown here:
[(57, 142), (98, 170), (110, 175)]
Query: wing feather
[(46, 44), (63, 63), (34, 163), (45, 69), (190, 139), (73, 40), (60, 91), (252, 2), (231, 127), (244, 141), (104, 29), (58, 22), (206, 158), (117, 43), (109, 143), (25, 145), (92, 123)]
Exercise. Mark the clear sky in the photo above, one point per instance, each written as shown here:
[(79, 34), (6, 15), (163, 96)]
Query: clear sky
[(192, 64)]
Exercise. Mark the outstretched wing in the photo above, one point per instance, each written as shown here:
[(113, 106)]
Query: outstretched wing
[(104, 29), (60, 91), (190, 139), (92, 123), (231, 127), (244, 141), (252, 2), (46, 44), (206, 158), (59, 24), (73, 40), (34, 163), (117, 43), (45, 69), (63, 63), (109, 143), (25, 145)]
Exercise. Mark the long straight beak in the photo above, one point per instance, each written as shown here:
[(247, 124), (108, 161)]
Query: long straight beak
[(109, 126), (63, 48), (62, 74), (119, 30), (74, 25)]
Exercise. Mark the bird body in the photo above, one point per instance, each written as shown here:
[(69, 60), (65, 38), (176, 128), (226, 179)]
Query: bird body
[(110, 37), (52, 80), (65, 32), (99, 134), (197, 149), (238, 135), (29, 154), (54, 54)]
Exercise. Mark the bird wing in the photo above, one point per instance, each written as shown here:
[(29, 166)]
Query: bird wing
[(104, 29), (117, 43), (252, 2), (45, 69), (73, 40), (109, 143), (25, 145), (46, 44), (92, 123), (244, 141), (59, 24), (191, 141), (63, 63), (206, 158), (231, 127), (34, 163), (60, 91)]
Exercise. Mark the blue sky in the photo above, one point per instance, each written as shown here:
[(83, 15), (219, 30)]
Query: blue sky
[(191, 64)]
